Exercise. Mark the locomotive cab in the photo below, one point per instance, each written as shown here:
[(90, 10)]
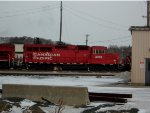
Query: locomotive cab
[(97, 54), (101, 60)]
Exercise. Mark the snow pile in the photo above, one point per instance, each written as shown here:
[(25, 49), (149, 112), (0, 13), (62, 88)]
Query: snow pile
[(26, 103), (15, 109), (125, 76)]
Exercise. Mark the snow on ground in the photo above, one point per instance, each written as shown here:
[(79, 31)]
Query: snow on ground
[(26, 103), (58, 80), (140, 100)]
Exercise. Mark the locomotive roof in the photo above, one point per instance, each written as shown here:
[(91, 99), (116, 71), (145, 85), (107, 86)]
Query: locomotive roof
[(48, 45), (6, 45), (99, 47)]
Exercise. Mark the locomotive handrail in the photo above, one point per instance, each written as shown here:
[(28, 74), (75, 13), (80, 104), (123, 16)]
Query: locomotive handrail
[(9, 59)]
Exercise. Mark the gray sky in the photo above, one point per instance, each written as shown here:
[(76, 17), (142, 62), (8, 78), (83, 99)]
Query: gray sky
[(107, 22)]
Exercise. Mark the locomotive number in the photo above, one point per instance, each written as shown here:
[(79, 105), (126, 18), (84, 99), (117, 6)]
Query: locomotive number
[(98, 57)]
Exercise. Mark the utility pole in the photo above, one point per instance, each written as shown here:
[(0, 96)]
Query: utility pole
[(60, 21), (87, 35), (148, 13)]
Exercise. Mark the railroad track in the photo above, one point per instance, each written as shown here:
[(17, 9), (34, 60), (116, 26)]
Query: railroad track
[(66, 73)]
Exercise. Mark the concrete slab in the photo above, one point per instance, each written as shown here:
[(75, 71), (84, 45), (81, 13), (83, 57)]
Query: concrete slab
[(74, 96)]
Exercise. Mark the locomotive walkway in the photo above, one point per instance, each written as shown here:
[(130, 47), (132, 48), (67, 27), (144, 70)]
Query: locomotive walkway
[(64, 73)]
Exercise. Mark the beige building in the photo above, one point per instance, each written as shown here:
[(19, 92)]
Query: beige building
[(140, 72)]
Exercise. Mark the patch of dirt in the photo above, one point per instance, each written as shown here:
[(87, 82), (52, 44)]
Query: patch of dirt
[(132, 110), (36, 109), (4, 106), (7, 103), (95, 109)]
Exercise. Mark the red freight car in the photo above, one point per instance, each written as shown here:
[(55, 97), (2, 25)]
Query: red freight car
[(7, 54), (61, 56)]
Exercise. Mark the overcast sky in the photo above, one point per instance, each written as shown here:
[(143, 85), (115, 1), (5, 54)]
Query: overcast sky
[(107, 22)]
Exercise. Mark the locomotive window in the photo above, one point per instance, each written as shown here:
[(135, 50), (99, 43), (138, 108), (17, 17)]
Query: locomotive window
[(97, 51), (94, 51)]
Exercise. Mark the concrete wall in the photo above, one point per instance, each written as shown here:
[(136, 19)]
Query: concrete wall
[(77, 96), (140, 51)]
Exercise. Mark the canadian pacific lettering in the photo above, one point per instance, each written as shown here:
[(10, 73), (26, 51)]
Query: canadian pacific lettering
[(44, 56)]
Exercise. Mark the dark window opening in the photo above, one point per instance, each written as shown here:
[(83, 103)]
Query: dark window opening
[(83, 47), (32, 49), (61, 47), (45, 49), (29, 49), (35, 49)]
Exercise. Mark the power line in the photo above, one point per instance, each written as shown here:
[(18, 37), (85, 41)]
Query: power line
[(24, 10), (97, 18), (114, 40), (29, 12), (89, 20), (110, 40), (117, 42), (123, 42)]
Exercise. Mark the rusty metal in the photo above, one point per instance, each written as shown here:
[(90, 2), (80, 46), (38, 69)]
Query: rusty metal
[(117, 95), (108, 99)]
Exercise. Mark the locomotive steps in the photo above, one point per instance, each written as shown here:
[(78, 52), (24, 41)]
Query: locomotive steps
[(66, 73)]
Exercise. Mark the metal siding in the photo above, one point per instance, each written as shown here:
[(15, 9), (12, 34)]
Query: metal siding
[(140, 51)]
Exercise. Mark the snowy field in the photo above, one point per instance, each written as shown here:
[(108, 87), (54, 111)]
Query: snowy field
[(140, 100)]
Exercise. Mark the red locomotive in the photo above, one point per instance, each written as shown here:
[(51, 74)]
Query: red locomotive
[(63, 57), (7, 54)]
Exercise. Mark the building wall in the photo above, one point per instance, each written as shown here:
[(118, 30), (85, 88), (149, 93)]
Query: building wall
[(140, 51)]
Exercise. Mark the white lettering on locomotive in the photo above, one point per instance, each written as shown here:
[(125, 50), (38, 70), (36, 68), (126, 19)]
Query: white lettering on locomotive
[(44, 56), (98, 57)]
